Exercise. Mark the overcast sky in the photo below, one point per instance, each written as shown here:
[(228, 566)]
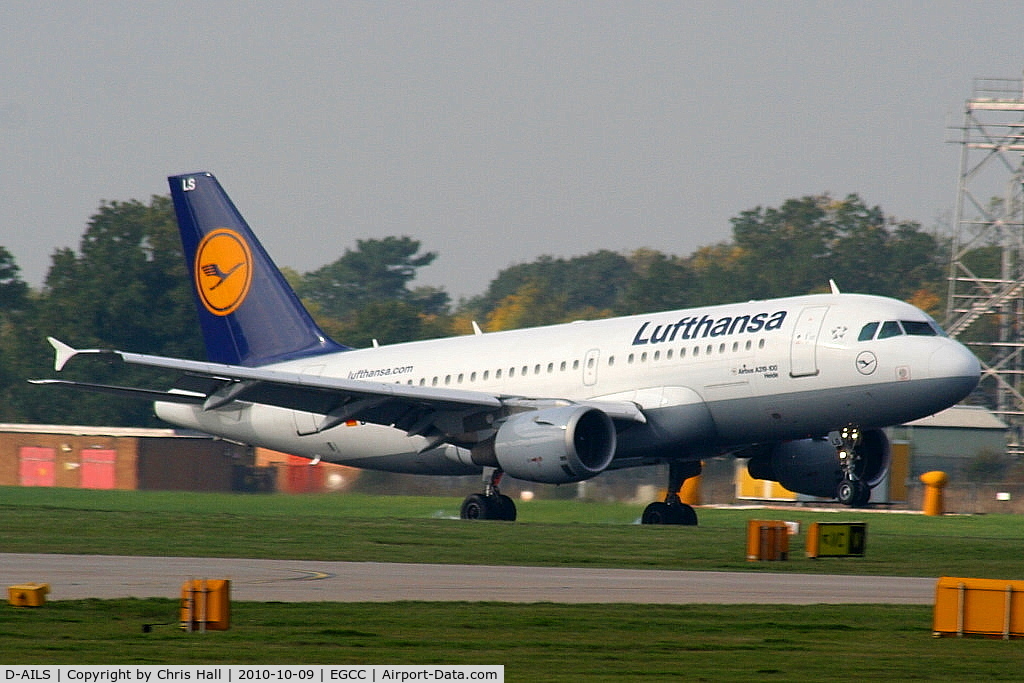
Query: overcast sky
[(494, 132)]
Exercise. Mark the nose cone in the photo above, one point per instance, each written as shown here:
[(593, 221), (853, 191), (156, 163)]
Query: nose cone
[(956, 363)]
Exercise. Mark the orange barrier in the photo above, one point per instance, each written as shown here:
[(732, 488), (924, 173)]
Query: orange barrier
[(206, 605), (986, 607), (767, 540)]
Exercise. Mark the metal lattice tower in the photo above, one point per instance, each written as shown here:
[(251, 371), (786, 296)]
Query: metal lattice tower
[(985, 308)]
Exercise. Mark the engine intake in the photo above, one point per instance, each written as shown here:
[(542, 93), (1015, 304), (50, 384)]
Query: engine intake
[(556, 445), (812, 467)]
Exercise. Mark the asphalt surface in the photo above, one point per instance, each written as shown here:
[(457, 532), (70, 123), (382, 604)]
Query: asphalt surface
[(101, 576)]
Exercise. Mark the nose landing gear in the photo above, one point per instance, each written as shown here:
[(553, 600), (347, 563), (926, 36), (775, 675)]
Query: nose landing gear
[(852, 490)]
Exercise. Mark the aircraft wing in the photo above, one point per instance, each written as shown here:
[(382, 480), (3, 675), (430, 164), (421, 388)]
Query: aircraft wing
[(439, 412)]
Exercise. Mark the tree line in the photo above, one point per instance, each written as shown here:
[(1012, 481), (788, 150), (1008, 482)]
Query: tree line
[(126, 287)]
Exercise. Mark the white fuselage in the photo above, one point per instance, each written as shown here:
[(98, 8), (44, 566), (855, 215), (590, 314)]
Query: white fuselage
[(707, 380)]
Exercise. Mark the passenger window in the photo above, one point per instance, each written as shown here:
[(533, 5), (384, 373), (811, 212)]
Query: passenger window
[(890, 328), (867, 333)]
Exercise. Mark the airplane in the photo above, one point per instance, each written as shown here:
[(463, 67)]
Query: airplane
[(802, 386)]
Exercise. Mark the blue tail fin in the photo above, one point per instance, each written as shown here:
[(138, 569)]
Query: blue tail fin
[(249, 313)]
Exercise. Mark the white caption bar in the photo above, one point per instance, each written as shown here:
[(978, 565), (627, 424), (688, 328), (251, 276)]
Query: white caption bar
[(400, 673)]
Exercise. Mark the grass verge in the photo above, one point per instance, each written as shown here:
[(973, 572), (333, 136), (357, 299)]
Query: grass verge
[(534, 642)]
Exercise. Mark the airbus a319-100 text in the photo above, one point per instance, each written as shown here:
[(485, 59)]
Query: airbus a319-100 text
[(802, 386)]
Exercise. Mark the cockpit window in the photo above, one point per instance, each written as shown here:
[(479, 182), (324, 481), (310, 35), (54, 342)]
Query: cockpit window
[(896, 328), (890, 328), (867, 332), (918, 328)]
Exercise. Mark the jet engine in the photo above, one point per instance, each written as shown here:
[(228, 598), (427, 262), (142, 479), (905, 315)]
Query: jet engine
[(555, 445), (812, 466)]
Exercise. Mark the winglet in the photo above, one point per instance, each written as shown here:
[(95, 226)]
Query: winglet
[(64, 353), (833, 286)]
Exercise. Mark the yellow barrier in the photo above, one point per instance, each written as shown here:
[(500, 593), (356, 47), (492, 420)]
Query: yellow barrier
[(28, 594), (837, 539), (986, 607), (206, 605), (767, 540), (934, 482)]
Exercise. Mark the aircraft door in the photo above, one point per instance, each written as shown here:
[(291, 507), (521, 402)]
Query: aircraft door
[(803, 357), (590, 367)]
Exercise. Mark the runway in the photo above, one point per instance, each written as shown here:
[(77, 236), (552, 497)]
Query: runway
[(103, 576)]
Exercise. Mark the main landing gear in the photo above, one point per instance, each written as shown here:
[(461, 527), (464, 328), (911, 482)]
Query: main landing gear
[(672, 510), (492, 503), (851, 490)]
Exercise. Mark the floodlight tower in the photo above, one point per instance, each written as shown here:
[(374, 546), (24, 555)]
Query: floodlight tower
[(985, 307)]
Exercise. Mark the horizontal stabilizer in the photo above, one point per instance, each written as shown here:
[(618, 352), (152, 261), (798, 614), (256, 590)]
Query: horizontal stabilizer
[(127, 392), (64, 353)]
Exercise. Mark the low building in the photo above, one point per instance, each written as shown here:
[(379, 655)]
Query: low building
[(120, 458), (951, 440)]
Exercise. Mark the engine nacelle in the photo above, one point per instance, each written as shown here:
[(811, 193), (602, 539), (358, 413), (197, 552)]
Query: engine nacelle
[(812, 467), (556, 445)]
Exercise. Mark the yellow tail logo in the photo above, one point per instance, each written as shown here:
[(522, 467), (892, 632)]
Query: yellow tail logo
[(223, 271)]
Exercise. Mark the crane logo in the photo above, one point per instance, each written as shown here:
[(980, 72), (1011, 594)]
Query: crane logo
[(223, 271)]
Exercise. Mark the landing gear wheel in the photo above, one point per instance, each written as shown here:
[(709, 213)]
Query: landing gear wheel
[(475, 506), (506, 508), (669, 513), (853, 492), (672, 510), (481, 506)]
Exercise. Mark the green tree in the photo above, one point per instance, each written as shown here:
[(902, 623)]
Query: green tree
[(125, 288), (13, 291), (581, 287), (659, 283), (377, 270)]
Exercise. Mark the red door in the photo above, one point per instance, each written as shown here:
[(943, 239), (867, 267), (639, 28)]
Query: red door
[(37, 466), (98, 468)]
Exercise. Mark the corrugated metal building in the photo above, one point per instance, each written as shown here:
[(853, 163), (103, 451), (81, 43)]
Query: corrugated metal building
[(950, 440)]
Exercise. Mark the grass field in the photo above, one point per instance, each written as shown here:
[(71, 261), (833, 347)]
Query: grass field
[(414, 529), (534, 642)]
